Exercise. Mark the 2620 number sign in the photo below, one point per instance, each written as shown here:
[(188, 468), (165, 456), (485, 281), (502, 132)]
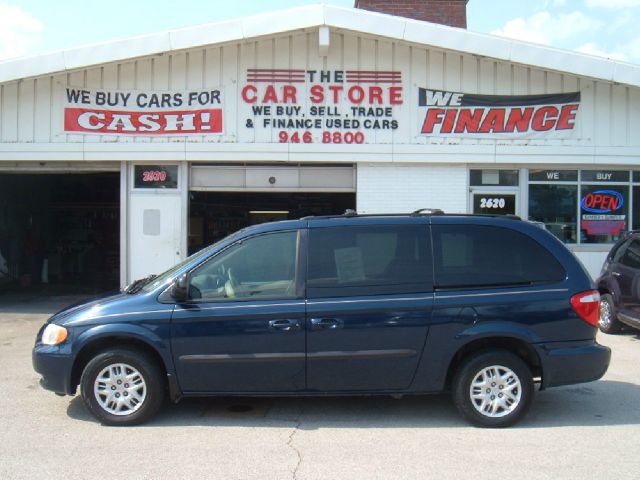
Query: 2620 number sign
[(492, 203)]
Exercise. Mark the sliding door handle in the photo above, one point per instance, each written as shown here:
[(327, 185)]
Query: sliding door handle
[(285, 325), (326, 323)]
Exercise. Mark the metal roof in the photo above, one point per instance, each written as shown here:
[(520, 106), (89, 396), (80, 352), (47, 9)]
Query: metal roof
[(356, 20)]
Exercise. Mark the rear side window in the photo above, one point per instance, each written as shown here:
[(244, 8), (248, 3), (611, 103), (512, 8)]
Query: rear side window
[(631, 257), (369, 260), (618, 252), (483, 256)]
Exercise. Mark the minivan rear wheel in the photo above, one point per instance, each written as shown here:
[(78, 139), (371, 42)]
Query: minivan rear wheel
[(122, 387), (493, 389), (608, 321)]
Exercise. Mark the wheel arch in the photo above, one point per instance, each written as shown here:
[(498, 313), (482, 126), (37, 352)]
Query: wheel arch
[(514, 345), (93, 345)]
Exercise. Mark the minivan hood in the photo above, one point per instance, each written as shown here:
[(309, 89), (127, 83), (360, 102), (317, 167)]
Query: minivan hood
[(109, 304)]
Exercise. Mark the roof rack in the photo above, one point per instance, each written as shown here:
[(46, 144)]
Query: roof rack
[(350, 213), (428, 211)]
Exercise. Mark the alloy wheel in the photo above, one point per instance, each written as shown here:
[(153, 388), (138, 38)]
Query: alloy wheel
[(495, 391), (120, 389)]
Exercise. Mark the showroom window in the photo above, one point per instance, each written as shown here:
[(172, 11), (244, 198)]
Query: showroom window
[(586, 206), (486, 178)]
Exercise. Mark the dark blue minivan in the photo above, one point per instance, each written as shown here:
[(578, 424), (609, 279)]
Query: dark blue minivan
[(486, 307)]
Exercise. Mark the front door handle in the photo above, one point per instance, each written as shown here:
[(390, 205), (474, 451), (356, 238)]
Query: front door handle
[(616, 274), (285, 325), (326, 323)]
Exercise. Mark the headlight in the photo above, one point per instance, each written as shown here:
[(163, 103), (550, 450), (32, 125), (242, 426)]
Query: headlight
[(54, 334)]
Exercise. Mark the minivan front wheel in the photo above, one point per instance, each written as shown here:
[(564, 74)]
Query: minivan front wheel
[(608, 322), (493, 389), (122, 387)]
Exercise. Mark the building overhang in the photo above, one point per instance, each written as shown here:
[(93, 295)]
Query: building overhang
[(315, 16)]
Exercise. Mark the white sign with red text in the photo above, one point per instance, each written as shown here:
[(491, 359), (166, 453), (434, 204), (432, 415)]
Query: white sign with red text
[(446, 114), (143, 112), (322, 106)]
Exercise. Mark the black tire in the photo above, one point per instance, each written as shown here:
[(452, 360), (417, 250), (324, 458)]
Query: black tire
[(506, 412), (608, 321), (129, 362)]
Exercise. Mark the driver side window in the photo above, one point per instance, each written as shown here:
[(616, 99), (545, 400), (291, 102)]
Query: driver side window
[(260, 267)]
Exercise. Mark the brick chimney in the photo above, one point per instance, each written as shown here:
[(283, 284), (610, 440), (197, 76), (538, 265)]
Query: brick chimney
[(446, 12)]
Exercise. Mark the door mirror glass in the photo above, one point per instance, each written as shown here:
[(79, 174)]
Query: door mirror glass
[(179, 289)]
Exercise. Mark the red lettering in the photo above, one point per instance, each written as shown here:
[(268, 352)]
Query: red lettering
[(249, 93), (519, 119), (140, 123), (375, 95), (601, 202), (449, 120), (433, 118), (609, 202), (494, 121), (544, 119), (597, 200), (356, 98), (395, 95), (270, 95), (588, 200), (289, 93), (317, 94), (469, 120), (567, 117), (336, 89)]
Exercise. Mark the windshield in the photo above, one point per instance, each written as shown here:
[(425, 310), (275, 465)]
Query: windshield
[(171, 273)]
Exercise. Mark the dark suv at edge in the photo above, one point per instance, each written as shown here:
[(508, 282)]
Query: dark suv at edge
[(485, 307), (619, 285)]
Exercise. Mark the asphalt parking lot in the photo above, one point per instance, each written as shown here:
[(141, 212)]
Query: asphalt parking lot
[(583, 431)]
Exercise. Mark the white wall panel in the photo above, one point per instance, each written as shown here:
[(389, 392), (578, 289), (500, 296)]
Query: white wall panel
[(32, 110), (405, 188), (402, 61), (26, 98), (592, 261), (160, 81), (93, 79), (42, 127), (9, 113), (246, 59)]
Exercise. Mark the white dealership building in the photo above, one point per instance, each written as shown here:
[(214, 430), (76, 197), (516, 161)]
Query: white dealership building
[(124, 157)]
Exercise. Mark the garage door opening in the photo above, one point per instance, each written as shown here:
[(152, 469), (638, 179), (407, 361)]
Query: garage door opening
[(214, 215), (60, 233)]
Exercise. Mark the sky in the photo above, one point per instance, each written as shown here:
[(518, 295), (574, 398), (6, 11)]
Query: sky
[(607, 28)]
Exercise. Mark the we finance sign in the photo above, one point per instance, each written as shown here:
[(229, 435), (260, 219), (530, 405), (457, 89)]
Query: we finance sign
[(445, 113)]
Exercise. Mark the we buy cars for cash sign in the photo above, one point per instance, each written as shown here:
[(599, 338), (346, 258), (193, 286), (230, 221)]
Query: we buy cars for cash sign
[(498, 116), (141, 112)]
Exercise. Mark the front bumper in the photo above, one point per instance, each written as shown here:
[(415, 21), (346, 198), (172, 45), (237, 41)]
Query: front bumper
[(566, 363), (54, 364)]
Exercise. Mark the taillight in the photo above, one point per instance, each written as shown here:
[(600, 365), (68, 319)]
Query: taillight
[(587, 306)]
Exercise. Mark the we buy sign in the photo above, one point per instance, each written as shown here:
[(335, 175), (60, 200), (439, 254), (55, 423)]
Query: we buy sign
[(139, 112)]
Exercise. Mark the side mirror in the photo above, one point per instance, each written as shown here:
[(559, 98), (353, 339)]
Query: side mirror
[(180, 288)]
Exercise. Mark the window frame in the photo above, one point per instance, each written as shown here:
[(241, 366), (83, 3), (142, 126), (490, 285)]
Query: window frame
[(625, 253), (633, 181), (352, 290), (299, 273), (436, 242)]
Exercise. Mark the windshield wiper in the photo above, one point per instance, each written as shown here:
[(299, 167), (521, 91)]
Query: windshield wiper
[(136, 285)]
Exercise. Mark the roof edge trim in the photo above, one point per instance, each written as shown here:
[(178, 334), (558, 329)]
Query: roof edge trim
[(351, 19)]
